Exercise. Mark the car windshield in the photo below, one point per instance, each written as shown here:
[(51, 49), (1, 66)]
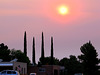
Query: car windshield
[(13, 72), (8, 72), (3, 72)]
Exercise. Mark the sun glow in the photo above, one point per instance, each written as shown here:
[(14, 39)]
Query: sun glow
[(63, 10)]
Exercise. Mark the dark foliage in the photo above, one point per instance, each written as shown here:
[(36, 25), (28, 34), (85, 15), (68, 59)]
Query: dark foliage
[(33, 53), (72, 65), (42, 51), (4, 52), (25, 44), (8, 55), (52, 61), (20, 56), (48, 61), (89, 59)]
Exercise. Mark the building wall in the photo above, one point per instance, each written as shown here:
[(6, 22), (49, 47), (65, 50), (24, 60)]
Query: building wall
[(44, 70), (21, 67), (56, 70)]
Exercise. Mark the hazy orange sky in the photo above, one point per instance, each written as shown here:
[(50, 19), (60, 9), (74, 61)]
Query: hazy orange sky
[(70, 31)]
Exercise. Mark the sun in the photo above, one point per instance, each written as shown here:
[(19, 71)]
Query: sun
[(63, 10)]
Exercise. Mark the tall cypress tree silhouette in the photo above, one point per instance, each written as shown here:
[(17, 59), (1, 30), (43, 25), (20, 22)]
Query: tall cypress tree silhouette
[(52, 61), (42, 50), (33, 53), (25, 44)]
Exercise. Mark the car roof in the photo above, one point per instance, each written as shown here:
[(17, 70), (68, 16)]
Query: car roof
[(8, 70)]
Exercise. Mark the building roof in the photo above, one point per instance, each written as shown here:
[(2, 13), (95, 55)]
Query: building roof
[(6, 64)]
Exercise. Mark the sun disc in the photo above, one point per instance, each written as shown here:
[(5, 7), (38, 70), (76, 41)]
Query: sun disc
[(63, 10)]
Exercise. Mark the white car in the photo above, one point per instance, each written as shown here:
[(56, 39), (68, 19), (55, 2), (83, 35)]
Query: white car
[(32, 73), (9, 72), (78, 74)]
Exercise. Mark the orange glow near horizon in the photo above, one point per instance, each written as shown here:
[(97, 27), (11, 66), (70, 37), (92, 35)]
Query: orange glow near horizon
[(63, 10)]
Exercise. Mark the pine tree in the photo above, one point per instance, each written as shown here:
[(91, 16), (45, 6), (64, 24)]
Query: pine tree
[(25, 44), (42, 50), (52, 61), (33, 53), (89, 59)]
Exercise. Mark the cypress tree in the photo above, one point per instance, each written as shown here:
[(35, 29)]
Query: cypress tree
[(42, 50), (25, 44), (52, 61), (33, 53)]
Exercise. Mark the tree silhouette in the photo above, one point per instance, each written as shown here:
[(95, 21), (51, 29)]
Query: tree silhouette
[(52, 61), (72, 65), (42, 50), (89, 59), (18, 54), (4, 52), (8, 55), (48, 61), (33, 53), (25, 44)]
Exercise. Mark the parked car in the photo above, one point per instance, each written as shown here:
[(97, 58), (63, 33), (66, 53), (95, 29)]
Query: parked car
[(78, 74), (32, 73), (9, 72)]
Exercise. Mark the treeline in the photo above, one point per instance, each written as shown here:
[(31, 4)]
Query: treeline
[(7, 55), (86, 63)]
